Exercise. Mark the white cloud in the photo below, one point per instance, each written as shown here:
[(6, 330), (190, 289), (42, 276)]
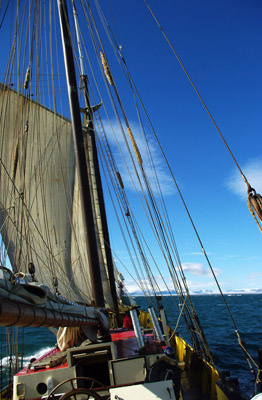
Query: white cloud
[(253, 173), (203, 279), (198, 269), (124, 163)]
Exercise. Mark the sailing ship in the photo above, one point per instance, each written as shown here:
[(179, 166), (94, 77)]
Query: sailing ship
[(57, 261)]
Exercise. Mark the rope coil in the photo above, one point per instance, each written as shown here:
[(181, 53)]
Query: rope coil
[(136, 150), (106, 69), (27, 76)]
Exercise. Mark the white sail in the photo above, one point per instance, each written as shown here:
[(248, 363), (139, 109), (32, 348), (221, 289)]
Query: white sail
[(79, 257), (40, 218)]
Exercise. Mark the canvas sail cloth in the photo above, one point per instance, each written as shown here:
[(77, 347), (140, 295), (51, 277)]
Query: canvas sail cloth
[(40, 214)]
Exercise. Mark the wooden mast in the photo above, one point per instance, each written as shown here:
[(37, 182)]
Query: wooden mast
[(108, 254), (85, 195), (91, 133)]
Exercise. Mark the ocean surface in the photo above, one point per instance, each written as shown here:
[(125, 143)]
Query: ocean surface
[(215, 322)]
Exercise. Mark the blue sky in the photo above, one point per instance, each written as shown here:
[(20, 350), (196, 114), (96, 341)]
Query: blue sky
[(219, 42)]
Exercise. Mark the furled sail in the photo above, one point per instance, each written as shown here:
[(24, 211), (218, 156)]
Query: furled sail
[(40, 215)]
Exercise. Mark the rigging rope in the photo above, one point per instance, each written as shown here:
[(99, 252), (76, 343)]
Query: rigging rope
[(254, 200), (156, 219), (257, 208), (123, 200)]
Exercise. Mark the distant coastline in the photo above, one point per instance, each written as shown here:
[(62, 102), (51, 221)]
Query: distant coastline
[(200, 292)]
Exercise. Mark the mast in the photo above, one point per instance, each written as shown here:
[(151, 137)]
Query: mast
[(90, 132), (85, 195)]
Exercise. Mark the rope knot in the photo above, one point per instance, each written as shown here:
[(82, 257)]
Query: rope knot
[(254, 202), (250, 189)]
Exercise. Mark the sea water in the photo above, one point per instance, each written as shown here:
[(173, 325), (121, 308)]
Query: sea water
[(220, 331), (215, 321)]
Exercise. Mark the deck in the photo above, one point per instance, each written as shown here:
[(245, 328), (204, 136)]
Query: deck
[(116, 363)]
